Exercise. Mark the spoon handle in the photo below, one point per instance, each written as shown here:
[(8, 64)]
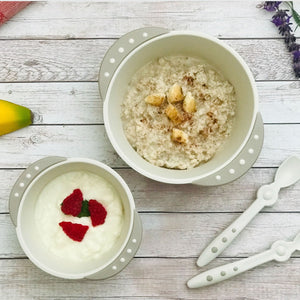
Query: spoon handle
[(229, 270), (223, 240)]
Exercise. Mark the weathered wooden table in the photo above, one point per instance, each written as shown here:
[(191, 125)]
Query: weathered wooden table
[(49, 60)]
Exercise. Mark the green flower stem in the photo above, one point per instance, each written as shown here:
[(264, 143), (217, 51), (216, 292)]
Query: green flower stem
[(295, 15)]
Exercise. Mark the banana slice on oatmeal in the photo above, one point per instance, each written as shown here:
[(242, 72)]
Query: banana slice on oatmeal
[(175, 93), (189, 103), (155, 99), (179, 136), (173, 114)]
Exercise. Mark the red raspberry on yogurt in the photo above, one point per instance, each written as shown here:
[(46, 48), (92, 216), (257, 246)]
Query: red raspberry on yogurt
[(74, 231), (73, 203), (98, 212)]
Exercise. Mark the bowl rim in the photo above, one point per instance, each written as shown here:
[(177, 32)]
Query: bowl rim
[(188, 179), (79, 275)]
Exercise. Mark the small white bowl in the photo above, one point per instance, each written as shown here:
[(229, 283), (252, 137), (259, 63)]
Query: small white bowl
[(22, 203), (137, 48)]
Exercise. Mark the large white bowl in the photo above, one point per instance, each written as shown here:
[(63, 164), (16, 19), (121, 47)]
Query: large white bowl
[(136, 49)]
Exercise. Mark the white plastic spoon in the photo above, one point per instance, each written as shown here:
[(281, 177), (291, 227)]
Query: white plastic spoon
[(287, 174), (279, 251)]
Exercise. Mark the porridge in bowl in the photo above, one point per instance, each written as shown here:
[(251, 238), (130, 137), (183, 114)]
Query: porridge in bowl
[(178, 112)]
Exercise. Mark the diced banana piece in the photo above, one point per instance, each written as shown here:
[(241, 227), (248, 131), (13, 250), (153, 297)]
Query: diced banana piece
[(189, 103), (155, 99), (173, 114), (175, 93), (179, 136)]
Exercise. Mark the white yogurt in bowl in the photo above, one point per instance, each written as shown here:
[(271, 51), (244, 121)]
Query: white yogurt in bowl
[(97, 245), (48, 214)]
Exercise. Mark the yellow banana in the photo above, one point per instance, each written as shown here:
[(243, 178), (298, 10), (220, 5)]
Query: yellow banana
[(13, 117)]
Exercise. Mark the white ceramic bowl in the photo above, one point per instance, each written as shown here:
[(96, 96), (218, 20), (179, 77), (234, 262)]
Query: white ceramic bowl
[(22, 203), (137, 48)]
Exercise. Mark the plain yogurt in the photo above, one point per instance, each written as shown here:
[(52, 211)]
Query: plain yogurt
[(98, 240)]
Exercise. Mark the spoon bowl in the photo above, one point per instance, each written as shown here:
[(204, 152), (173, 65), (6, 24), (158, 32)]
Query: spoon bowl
[(288, 173), (297, 241)]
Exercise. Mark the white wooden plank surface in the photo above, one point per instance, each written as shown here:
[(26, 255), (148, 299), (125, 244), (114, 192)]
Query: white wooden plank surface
[(152, 278), (79, 60), (22, 147), (152, 196), (186, 235), (230, 19), (80, 102), (49, 61)]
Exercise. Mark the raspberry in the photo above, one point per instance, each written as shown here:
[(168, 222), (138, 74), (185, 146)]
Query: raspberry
[(72, 204), (98, 212), (74, 231)]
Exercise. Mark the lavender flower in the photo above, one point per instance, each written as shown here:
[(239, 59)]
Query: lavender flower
[(289, 39), (278, 21), (296, 56), (271, 5), (285, 29), (281, 19), (297, 68), (281, 13), (294, 47)]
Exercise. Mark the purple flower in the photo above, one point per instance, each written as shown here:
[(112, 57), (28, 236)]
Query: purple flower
[(284, 29), (280, 18), (296, 56), (271, 5), (294, 47), (282, 14), (297, 69), (289, 38), (278, 21)]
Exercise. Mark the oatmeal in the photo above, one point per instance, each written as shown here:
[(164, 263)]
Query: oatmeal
[(178, 111)]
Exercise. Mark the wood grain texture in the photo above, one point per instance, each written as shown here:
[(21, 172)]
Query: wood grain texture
[(186, 235), (153, 278), (22, 147), (49, 61), (152, 196), (79, 60), (71, 141), (230, 19), (279, 101), (72, 60), (80, 102)]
